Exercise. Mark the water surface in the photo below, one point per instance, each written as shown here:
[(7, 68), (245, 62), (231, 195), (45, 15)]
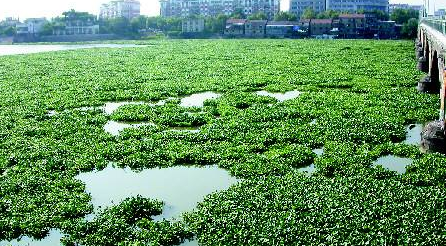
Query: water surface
[(393, 163), (413, 135), (17, 49), (197, 100), (311, 168), (280, 96), (180, 187), (53, 239), (115, 127)]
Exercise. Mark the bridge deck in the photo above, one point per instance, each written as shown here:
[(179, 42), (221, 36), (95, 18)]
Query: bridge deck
[(440, 37)]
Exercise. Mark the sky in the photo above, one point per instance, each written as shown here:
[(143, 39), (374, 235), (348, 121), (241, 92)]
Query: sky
[(51, 8)]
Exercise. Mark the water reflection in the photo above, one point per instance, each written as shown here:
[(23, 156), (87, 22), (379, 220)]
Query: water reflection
[(114, 127), (190, 243), (393, 163), (413, 135), (53, 239), (180, 187), (280, 96), (29, 49), (110, 107), (311, 168), (197, 100)]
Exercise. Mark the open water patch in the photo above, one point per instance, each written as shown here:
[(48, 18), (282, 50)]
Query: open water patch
[(197, 99), (179, 187), (393, 163), (115, 127), (110, 107), (53, 239), (413, 134), (311, 168), (280, 96), (38, 48)]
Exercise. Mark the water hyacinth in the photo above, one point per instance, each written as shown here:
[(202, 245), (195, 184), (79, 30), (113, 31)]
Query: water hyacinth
[(354, 103)]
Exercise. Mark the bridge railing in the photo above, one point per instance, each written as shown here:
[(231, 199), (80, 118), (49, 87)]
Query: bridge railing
[(437, 24)]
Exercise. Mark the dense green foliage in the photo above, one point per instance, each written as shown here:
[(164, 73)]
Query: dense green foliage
[(357, 97)]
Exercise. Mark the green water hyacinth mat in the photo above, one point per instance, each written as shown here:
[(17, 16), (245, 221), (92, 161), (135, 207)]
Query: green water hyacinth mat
[(355, 103)]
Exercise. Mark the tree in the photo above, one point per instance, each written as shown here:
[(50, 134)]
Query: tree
[(401, 16), (381, 15), (47, 29), (138, 23), (258, 16), (309, 13), (285, 16), (329, 14), (410, 28), (119, 25), (238, 14), (215, 24)]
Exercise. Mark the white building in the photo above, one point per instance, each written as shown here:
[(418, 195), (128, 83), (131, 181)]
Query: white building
[(192, 25), (31, 26), (356, 5), (120, 8), (185, 8), (298, 7)]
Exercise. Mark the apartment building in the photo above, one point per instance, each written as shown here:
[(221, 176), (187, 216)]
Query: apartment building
[(298, 7), (121, 8), (185, 8), (356, 5)]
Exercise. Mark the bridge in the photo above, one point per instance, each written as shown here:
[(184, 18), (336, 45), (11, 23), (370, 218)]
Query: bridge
[(431, 55)]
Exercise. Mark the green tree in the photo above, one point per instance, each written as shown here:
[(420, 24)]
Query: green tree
[(215, 24), (401, 16), (238, 14), (285, 16), (119, 26), (8, 31), (329, 14), (309, 13), (138, 23), (410, 28), (47, 29), (258, 16)]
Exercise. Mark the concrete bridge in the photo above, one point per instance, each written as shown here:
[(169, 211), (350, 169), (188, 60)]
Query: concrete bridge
[(431, 55)]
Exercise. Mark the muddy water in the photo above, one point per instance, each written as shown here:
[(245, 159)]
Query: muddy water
[(53, 239), (413, 135), (28, 49), (393, 163), (180, 187), (280, 96), (197, 100)]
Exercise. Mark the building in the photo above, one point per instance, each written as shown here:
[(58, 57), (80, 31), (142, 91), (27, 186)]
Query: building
[(319, 27), (356, 5), (351, 25), (120, 8), (282, 29), (9, 22), (77, 23), (255, 28), (185, 8), (235, 27), (298, 7), (31, 26), (192, 25), (394, 6), (440, 12), (387, 30)]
